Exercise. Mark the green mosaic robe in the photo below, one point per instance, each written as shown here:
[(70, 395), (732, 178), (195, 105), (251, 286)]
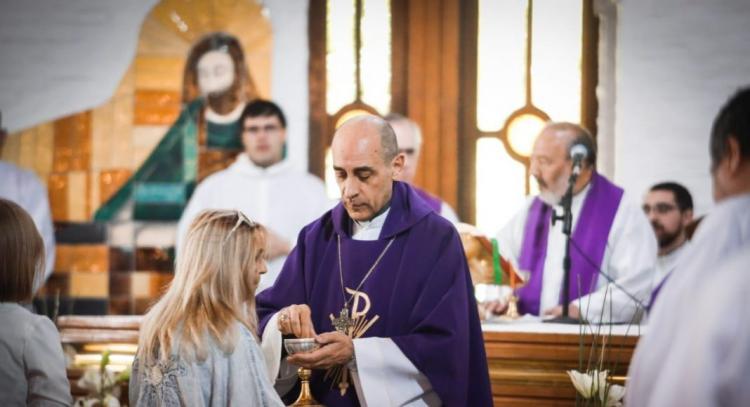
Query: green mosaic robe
[(162, 186)]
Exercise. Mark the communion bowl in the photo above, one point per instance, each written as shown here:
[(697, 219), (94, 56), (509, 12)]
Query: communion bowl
[(300, 345)]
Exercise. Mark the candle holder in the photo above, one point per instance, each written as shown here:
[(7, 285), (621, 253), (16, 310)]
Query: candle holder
[(304, 345), (512, 312)]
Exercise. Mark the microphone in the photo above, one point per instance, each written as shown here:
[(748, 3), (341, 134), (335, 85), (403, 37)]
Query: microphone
[(578, 154)]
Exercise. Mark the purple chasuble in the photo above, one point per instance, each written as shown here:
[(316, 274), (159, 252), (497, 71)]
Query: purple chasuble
[(421, 292), (590, 235), (432, 201)]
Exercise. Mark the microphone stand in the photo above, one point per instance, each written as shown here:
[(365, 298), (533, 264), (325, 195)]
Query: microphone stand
[(567, 219)]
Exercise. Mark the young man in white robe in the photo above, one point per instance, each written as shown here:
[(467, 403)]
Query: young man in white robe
[(678, 321), (264, 186)]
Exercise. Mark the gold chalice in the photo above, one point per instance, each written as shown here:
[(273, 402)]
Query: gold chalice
[(303, 345)]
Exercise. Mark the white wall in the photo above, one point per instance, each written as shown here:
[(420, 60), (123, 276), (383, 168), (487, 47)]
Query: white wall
[(677, 61)]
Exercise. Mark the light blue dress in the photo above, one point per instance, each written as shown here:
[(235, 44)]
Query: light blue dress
[(237, 378)]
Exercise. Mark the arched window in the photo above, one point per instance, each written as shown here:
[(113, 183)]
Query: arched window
[(535, 61), (356, 63)]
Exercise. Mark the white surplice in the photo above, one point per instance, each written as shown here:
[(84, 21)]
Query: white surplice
[(628, 259), (279, 197), (708, 363), (666, 264), (24, 188), (676, 317), (382, 375)]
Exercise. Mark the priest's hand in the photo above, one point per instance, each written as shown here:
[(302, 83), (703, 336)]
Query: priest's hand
[(494, 307), (573, 311), (295, 320), (276, 246), (335, 349)]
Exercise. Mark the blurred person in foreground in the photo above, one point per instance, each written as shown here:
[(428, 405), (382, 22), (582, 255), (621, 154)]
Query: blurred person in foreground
[(32, 365), (696, 351)]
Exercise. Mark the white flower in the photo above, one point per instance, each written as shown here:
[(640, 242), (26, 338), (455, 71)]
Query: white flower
[(91, 380), (615, 393), (584, 383), (109, 401), (594, 384)]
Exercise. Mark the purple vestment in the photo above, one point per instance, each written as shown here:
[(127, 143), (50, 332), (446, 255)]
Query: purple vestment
[(432, 201), (421, 291), (590, 235)]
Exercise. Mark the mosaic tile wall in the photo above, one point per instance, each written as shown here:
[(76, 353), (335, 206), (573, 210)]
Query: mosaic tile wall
[(83, 159)]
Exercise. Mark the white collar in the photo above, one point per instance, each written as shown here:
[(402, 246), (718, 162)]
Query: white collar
[(369, 229), (675, 252), (577, 198), (244, 165)]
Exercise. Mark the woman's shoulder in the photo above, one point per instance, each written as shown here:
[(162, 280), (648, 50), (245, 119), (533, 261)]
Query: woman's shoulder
[(19, 321)]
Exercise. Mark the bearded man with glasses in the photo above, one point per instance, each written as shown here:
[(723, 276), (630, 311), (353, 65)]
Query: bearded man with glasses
[(669, 208)]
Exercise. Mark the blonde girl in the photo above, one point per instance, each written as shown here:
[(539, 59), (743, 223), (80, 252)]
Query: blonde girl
[(198, 343)]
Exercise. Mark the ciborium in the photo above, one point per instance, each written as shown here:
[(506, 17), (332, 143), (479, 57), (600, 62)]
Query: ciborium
[(303, 345)]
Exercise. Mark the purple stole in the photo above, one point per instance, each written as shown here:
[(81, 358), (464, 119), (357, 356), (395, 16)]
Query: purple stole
[(656, 291), (590, 235), (432, 202)]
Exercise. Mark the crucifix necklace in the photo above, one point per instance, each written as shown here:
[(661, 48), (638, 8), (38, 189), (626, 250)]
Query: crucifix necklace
[(343, 322)]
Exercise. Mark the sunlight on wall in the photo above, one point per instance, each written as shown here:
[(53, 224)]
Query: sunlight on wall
[(332, 189), (500, 185), (556, 90), (556, 56), (500, 66), (376, 54), (340, 57)]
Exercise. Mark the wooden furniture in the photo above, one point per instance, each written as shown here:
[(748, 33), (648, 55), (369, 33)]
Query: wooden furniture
[(89, 336), (528, 361)]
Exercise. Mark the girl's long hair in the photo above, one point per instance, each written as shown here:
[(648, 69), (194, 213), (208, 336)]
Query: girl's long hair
[(214, 286)]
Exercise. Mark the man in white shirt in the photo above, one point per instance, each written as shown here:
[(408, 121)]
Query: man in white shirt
[(663, 359), (24, 188), (409, 137), (669, 208), (264, 186), (610, 236)]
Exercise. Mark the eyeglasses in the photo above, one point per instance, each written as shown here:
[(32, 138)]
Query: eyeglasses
[(407, 151), (660, 208), (241, 218)]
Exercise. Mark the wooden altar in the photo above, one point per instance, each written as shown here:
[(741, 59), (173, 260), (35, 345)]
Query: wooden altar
[(528, 360)]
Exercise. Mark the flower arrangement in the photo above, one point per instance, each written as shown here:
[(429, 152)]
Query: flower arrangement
[(592, 382), (102, 384), (594, 388)]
